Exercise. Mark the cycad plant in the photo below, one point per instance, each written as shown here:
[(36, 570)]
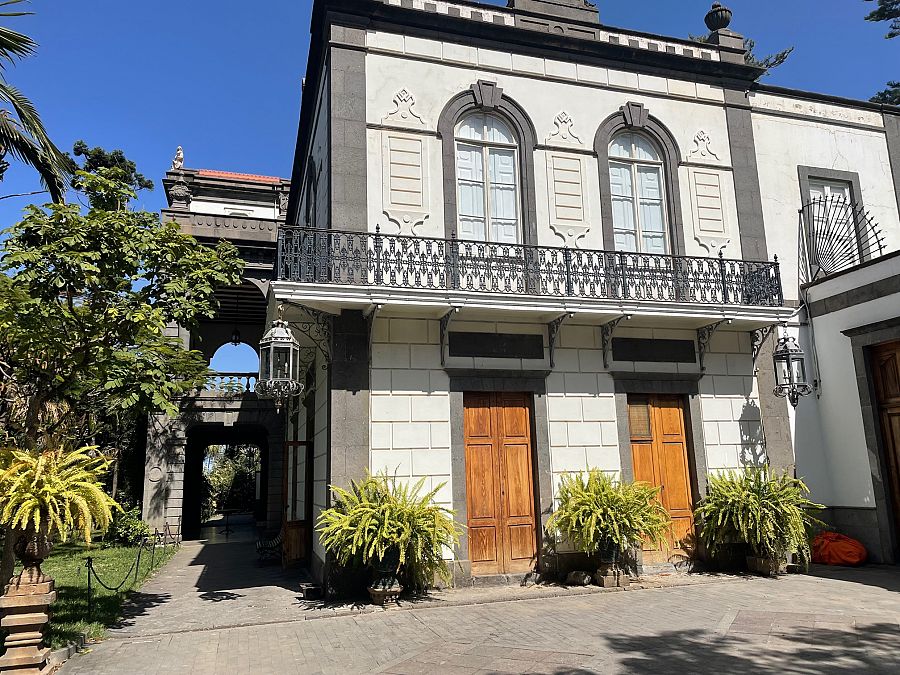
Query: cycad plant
[(52, 492), (771, 513), (22, 133), (379, 518), (596, 512)]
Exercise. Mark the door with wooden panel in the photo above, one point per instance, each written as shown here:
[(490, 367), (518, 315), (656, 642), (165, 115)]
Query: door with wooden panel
[(499, 483), (660, 455), (886, 370)]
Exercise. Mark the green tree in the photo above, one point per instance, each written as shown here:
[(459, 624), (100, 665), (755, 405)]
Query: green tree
[(888, 10), (114, 165), (85, 298), (22, 134)]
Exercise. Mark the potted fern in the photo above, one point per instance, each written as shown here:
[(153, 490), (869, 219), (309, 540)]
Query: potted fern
[(769, 513), (389, 527), (603, 517), (47, 494)]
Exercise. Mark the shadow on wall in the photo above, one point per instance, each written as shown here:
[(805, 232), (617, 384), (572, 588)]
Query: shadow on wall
[(753, 441)]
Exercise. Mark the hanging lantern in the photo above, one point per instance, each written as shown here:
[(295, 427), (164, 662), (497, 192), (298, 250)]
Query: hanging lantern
[(236, 336), (790, 370), (279, 364)]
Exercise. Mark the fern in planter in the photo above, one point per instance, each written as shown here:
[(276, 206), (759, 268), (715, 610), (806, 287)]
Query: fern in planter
[(380, 519), (770, 513), (596, 512)]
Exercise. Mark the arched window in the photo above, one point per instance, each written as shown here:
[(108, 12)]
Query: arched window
[(487, 179), (637, 186)]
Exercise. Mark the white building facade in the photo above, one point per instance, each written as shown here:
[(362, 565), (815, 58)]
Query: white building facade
[(520, 243)]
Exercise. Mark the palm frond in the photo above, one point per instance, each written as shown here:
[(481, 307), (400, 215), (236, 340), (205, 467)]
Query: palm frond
[(13, 44)]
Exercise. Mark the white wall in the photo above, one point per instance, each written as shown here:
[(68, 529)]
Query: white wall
[(320, 449), (783, 144), (587, 94), (233, 209), (410, 405)]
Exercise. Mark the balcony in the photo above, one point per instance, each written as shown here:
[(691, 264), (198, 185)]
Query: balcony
[(222, 384), (386, 263)]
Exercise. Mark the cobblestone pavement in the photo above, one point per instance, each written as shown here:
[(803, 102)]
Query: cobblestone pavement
[(199, 619)]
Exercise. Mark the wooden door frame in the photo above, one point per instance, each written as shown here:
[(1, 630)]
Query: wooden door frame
[(528, 382), (862, 339), (664, 384)]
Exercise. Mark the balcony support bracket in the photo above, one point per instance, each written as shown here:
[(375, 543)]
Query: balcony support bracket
[(553, 334), (758, 338), (606, 335), (445, 324), (704, 335), (317, 328)]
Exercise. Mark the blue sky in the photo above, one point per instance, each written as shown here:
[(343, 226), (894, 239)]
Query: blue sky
[(223, 78)]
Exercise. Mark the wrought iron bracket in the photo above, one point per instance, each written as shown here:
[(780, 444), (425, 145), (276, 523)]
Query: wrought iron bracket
[(606, 334), (758, 337), (704, 335), (553, 334), (317, 329), (445, 324)]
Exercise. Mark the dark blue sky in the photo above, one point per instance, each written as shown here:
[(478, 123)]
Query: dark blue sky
[(223, 78)]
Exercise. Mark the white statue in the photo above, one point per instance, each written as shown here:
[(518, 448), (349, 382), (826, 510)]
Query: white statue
[(178, 160)]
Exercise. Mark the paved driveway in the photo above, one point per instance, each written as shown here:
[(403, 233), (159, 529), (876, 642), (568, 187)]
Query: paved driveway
[(214, 611)]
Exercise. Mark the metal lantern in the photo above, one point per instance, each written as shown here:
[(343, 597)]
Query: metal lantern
[(790, 370), (279, 364)]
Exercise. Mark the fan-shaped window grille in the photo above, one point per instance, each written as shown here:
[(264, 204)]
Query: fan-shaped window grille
[(836, 233)]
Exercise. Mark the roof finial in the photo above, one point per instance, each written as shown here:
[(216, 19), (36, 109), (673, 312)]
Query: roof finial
[(718, 18)]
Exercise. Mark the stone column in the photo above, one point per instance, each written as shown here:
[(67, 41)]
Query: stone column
[(25, 608)]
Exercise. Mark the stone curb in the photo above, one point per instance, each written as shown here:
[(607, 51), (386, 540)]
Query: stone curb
[(59, 656), (565, 592)]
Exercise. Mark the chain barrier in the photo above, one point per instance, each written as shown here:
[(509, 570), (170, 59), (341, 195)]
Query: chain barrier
[(159, 538)]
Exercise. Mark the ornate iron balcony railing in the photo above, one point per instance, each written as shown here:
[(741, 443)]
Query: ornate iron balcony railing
[(395, 261)]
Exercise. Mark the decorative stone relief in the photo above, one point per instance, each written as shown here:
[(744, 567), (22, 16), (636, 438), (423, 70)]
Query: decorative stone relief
[(565, 176), (563, 131), (636, 115), (405, 182), (487, 94), (710, 228), (178, 160), (180, 193), (283, 198), (155, 474), (403, 112), (701, 147)]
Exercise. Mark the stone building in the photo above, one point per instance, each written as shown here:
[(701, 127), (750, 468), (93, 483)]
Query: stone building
[(519, 242)]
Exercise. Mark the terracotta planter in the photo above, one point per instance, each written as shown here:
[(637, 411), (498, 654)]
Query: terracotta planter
[(718, 17), (769, 567)]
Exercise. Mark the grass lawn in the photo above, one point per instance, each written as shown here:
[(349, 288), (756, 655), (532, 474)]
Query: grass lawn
[(66, 565)]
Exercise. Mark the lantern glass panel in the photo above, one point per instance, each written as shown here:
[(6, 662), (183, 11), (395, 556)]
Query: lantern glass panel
[(266, 363), (281, 363), (782, 371), (798, 370)]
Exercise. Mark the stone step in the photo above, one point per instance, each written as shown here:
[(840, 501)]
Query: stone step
[(310, 591)]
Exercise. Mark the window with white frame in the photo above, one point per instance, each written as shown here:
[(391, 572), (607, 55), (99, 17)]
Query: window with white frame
[(487, 179), (638, 194), (819, 189)]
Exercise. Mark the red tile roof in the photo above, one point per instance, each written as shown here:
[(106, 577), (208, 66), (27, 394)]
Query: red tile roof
[(240, 176)]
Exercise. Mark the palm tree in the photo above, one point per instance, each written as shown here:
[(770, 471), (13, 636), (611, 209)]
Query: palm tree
[(22, 133)]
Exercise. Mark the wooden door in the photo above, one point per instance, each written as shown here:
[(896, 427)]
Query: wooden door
[(659, 451), (294, 523), (886, 369), (499, 483)]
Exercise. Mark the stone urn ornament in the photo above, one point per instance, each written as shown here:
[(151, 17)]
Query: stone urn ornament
[(32, 548), (718, 18)]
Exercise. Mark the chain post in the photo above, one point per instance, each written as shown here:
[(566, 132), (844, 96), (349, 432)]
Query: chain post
[(90, 571)]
